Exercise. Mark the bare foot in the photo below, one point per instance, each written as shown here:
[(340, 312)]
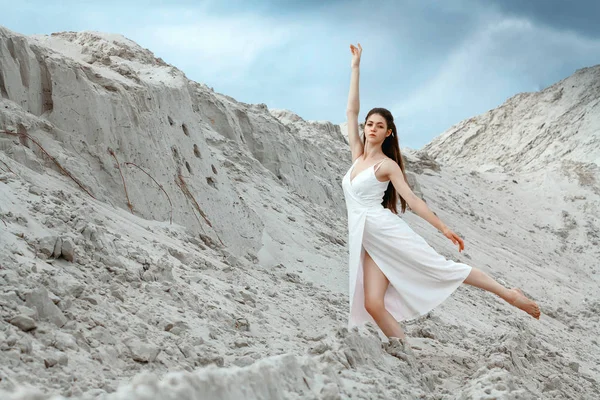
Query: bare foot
[(519, 300)]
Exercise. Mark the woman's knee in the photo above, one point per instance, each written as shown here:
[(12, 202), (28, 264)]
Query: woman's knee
[(375, 307)]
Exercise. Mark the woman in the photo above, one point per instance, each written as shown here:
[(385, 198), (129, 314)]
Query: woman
[(394, 274)]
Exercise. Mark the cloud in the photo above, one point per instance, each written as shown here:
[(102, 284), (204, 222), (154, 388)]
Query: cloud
[(432, 63), (580, 17), (507, 56), (219, 45)]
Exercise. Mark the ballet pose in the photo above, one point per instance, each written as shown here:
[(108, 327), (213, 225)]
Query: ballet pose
[(394, 275)]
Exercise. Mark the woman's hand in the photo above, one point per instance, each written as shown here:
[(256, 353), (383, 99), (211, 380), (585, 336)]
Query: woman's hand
[(356, 52), (455, 239)]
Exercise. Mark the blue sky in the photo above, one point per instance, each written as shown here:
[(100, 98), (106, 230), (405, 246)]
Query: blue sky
[(432, 63)]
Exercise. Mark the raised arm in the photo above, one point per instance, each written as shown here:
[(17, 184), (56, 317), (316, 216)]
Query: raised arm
[(356, 144)]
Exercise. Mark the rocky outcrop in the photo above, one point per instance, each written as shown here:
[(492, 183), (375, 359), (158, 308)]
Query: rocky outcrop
[(530, 131), (131, 130)]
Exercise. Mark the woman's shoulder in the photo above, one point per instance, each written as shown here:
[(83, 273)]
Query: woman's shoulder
[(387, 160), (387, 164)]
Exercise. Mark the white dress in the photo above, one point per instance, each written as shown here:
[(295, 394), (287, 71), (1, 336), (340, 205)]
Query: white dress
[(420, 278)]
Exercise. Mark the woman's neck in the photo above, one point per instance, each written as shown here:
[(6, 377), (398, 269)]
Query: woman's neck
[(373, 153)]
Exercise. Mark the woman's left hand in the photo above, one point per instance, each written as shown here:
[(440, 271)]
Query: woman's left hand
[(455, 239), (356, 53)]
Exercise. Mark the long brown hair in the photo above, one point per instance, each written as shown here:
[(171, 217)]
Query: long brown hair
[(391, 148)]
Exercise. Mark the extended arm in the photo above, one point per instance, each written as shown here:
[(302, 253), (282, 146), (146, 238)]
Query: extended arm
[(414, 202), (417, 205)]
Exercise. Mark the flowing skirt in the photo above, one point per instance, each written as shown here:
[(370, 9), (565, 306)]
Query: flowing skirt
[(420, 278)]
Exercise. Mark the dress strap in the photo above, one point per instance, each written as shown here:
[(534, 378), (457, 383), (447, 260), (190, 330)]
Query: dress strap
[(379, 164)]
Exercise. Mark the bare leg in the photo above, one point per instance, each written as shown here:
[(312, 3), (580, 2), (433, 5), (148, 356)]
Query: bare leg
[(375, 284), (513, 296)]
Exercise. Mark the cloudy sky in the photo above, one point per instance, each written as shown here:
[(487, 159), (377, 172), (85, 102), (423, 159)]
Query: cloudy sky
[(432, 63)]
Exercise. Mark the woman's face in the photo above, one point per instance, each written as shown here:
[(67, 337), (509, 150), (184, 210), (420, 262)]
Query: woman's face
[(376, 129)]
